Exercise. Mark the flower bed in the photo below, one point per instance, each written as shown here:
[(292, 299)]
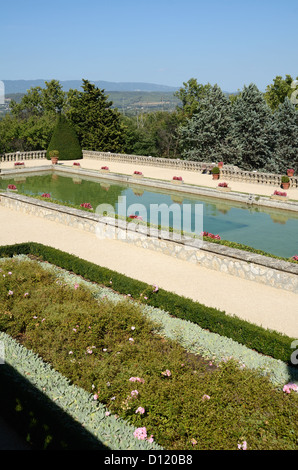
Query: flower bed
[(12, 187), (105, 344), (177, 179), (280, 195), (86, 205), (46, 195), (137, 174), (224, 186), (210, 235)]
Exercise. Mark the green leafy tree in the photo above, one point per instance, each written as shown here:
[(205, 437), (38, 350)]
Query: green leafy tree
[(280, 89), (11, 139), (30, 123), (40, 101), (65, 140), (286, 153), (98, 126), (53, 97), (33, 133), (205, 137), (190, 96)]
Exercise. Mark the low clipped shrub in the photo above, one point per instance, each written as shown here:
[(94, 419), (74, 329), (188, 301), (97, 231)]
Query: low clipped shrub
[(65, 140)]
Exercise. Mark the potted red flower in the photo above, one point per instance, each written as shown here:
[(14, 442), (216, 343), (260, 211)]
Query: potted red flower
[(290, 172)]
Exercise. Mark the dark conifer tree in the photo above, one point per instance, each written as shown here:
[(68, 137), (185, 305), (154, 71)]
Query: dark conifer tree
[(98, 126), (254, 130), (286, 118)]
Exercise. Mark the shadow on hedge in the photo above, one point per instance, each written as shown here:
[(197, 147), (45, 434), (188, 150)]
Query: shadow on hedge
[(37, 419)]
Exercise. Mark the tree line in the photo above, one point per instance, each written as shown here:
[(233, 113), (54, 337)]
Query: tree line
[(250, 129)]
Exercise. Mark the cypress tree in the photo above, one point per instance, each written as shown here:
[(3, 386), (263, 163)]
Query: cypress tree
[(65, 140)]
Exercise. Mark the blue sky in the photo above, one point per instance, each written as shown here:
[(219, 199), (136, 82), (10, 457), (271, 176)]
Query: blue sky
[(228, 42)]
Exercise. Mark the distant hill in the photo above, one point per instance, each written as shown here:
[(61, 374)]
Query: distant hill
[(21, 86)]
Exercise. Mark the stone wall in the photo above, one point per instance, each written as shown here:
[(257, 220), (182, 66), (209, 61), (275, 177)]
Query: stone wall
[(262, 269)]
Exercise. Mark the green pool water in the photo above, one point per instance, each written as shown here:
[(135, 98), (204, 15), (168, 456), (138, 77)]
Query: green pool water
[(272, 231)]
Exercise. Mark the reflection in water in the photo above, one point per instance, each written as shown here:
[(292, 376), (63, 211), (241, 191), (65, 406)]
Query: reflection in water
[(265, 229)]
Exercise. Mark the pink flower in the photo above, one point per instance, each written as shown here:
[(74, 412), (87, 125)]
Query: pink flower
[(136, 379), (95, 397), (140, 410), (140, 433), (290, 386), (205, 397), (155, 289), (134, 393), (242, 446), (167, 373), (76, 286)]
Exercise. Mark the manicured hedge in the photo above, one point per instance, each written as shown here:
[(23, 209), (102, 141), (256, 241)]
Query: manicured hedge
[(264, 341), (65, 140)]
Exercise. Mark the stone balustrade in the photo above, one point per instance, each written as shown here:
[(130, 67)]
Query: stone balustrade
[(21, 156), (230, 172)]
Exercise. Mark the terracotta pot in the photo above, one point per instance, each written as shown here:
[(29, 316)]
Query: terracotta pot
[(215, 176), (290, 173), (285, 185), (54, 160)]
